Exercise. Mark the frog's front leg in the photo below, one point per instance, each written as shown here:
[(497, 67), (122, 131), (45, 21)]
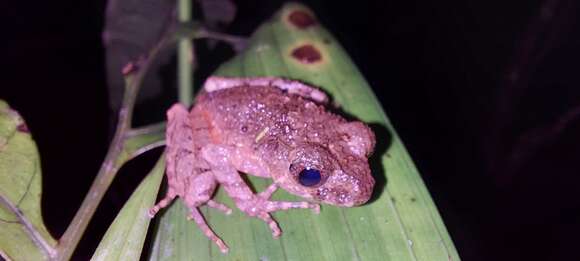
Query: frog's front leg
[(255, 205), (265, 207)]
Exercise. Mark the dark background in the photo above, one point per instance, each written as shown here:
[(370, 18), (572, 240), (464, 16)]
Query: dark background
[(483, 93)]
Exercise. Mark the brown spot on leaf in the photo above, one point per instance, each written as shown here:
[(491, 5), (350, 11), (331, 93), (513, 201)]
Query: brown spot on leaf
[(23, 128), (307, 54), (301, 19)]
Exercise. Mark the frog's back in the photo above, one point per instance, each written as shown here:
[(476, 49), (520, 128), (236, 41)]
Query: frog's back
[(250, 114)]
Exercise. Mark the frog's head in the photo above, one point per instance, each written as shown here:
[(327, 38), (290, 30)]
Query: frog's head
[(334, 171)]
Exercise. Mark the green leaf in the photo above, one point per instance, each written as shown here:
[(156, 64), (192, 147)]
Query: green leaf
[(402, 223), (125, 237), (23, 235)]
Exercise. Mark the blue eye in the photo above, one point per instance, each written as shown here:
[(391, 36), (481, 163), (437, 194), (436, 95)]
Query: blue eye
[(309, 177)]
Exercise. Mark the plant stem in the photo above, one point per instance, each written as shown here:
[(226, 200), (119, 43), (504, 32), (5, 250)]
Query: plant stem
[(125, 135), (113, 160), (149, 129), (237, 42), (185, 57), (105, 176)]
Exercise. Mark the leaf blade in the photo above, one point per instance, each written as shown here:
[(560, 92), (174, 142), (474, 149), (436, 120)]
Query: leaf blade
[(125, 236), (401, 224), (23, 235)]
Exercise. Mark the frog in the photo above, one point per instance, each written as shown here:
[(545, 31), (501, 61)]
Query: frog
[(269, 127)]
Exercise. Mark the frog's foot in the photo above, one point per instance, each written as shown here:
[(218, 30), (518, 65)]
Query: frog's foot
[(262, 206), (219, 206), (162, 203), (196, 216)]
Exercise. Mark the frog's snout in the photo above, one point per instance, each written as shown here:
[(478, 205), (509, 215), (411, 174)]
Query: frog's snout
[(345, 190)]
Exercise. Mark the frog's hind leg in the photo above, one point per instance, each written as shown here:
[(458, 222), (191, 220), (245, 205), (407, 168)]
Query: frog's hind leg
[(162, 203), (179, 158), (199, 191), (185, 180), (196, 216)]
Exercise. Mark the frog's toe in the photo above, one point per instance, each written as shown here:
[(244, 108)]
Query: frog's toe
[(151, 213), (271, 206), (219, 206), (223, 247), (276, 232), (316, 208)]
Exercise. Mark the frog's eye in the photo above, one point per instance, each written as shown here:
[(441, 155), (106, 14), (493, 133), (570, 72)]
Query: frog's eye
[(309, 177)]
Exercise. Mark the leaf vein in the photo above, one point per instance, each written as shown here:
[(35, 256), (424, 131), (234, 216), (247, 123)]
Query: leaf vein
[(35, 172)]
